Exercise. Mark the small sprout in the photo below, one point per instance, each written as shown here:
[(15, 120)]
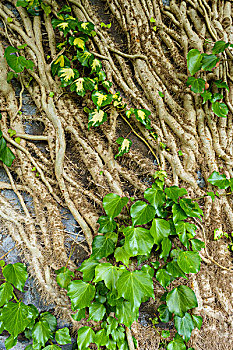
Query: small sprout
[(180, 153), (18, 139), (20, 113), (155, 28), (218, 233), (132, 199), (93, 33), (154, 320), (21, 47), (162, 145), (102, 24), (11, 132), (86, 109), (34, 169), (51, 94), (2, 263), (37, 174), (9, 19), (161, 94), (101, 172), (165, 334), (48, 57), (152, 20)]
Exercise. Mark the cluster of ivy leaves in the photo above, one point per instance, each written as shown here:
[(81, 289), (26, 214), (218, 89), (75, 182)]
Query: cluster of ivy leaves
[(17, 318), (116, 279), (197, 62), (88, 75), (34, 7)]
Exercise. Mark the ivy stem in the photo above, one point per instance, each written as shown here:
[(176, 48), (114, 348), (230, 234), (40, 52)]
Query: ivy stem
[(71, 252), (16, 299), (141, 138)]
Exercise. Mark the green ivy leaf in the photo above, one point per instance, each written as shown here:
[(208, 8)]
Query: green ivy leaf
[(207, 95), (174, 192), (164, 314), (96, 118), (219, 180), (138, 241), (6, 155), (80, 314), (197, 84), (197, 245), (120, 254), (157, 199), (180, 300), (190, 208), (219, 46), (174, 270), (160, 229), (125, 145), (17, 63), (16, 274), (141, 213), (184, 326), (209, 61), (189, 262), (86, 336), (6, 293), (107, 224), (102, 246), (50, 319), (163, 277), (135, 286), (221, 84), (109, 274), (142, 115), (125, 313), (41, 333), (84, 57), (197, 320), (10, 342), (101, 98), (194, 61), (101, 338), (96, 66), (64, 276), (81, 294), (61, 62), (118, 335), (176, 344), (88, 269), (50, 347), (62, 336), (166, 247), (220, 109), (96, 311), (113, 204), (15, 317), (178, 213)]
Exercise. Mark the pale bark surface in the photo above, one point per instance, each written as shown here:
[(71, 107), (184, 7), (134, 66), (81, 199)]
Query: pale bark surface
[(77, 166)]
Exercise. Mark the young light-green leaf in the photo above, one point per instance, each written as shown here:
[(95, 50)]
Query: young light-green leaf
[(180, 300), (6, 293), (16, 274), (96, 311), (62, 336), (86, 336), (113, 204), (189, 262), (81, 294), (160, 229), (219, 180)]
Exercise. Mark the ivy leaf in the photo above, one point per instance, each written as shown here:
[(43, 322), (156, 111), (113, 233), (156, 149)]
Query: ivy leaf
[(211, 194), (10, 342), (142, 115), (207, 95), (184, 326), (120, 254), (209, 61), (49, 347), (86, 27), (177, 343), (197, 245), (219, 46), (62, 336), (135, 286), (174, 192), (101, 98), (160, 229), (189, 262), (194, 61), (79, 41), (178, 213), (81, 85), (17, 63), (102, 247), (125, 313), (84, 57), (166, 247), (64, 276), (164, 313), (96, 66), (50, 319), (107, 224), (163, 277), (180, 300), (138, 241), (81, 294), (107, 85), (219, 180), (174, 270), (41, 333), (142, 213), (86, 336), (118, 335), (61, 61), (156, 198), (125, 145), (80, 314), (96, 118), (101, 338), (197, 84), (197, 320), (216, 97), (88, 269), (6, 155), (67, 75), (221, 84), (108, 273), (96, 311), (190, 208), (6, 293), (113, 204), (220, 109), (16, 274)]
